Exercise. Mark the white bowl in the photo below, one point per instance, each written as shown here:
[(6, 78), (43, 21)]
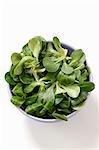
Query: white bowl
[(70, 49)]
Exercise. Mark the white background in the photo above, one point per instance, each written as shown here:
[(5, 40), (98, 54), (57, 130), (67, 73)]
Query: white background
[(75, 22)]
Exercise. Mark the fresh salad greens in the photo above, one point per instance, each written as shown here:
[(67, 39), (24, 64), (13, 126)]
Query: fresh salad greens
[(47, 82)]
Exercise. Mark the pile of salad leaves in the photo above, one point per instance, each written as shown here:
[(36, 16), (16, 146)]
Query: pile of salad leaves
[(46, 82)]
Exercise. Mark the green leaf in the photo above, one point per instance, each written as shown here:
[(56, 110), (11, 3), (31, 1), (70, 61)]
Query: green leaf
[(19, 68), (49, 94), (26, 51), (17, 100), (50, 51), (59, 116), (87, 86), (18, 90), (9, 79), (83, 58), (56, 43), (12, 70), (65, 79), (31, 99), (15, 58), (58, 100), (64, 110), (41, 39), (35, 45), (82, 97), (59, 90), (15, 77), (77, 54), (26, 78), (49, 76), (84, 76), (73, 63), (79, 106), (31, 63), (77, 74), (81, 66), (65, 103), (66, 68), (72, 90), (58, 47), (29, 88), (34, 107), (47, 106), (51, 64)]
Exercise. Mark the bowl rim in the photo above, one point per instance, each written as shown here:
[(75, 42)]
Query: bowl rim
[(44, 120)]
